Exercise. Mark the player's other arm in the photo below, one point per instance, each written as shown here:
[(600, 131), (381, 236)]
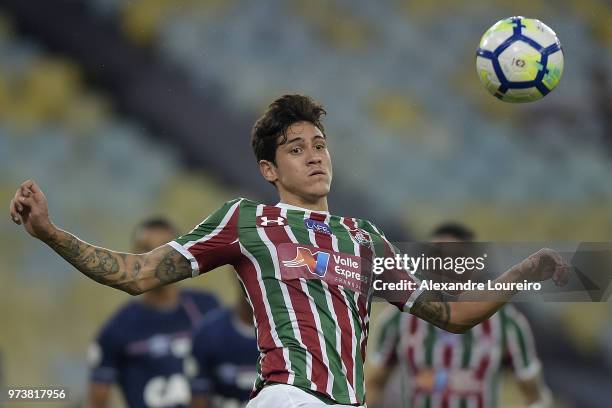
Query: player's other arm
[(131, 273), (520, 346), (384, 359), (376, 381), (535, 392), (459, 316)]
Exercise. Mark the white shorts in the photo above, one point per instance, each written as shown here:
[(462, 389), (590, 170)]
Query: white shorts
[(288, 396)]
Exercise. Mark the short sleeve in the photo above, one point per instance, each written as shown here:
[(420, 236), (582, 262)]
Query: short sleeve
[(395, 277), (104, 356), (520, 344), (214, 242), (385, 353)]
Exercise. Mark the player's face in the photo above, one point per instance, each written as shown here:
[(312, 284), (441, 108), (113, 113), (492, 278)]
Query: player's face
[(303, 167), (148, 239)]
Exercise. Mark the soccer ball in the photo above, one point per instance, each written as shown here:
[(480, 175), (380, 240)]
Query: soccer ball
[(519, 59)]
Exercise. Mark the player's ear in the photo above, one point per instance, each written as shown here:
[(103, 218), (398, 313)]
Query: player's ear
[(268, 170)]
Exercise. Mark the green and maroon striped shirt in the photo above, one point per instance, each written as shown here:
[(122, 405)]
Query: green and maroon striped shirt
[(446, 370), (303, 273)]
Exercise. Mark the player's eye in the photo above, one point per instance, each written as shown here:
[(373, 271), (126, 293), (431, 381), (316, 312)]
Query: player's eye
[(320, 146), (296, 150)]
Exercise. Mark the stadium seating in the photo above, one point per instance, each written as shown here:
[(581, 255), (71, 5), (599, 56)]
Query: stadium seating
[(401, 85)]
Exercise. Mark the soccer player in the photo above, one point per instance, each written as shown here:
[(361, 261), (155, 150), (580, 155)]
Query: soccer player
[(225, 352), (442, 369), (301, 266), (144, 346)]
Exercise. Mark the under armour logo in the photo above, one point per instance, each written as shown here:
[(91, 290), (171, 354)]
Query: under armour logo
[(263, 221)]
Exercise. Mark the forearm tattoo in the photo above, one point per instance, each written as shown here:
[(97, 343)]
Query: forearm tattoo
[(432, 308), (172, 267), (128, 272)]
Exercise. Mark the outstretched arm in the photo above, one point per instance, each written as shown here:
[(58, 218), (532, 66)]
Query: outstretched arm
[(460, 315), (131, 273)]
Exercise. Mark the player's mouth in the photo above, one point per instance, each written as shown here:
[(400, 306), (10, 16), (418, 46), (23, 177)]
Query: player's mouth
[(317, 173)]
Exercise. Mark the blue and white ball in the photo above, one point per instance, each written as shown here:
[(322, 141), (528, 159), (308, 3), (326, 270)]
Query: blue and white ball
[(519, 59)]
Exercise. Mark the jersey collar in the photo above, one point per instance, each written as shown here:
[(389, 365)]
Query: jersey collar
[(295, 207)]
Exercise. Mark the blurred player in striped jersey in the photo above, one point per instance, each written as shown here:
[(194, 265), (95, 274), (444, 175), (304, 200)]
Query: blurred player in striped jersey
[(145, 344), (438, 369), (303, 269)]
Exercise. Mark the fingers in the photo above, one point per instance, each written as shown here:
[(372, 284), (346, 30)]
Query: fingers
[(27, 184), (557, 258), (21, 201), (29, 187), (562, 275), (32, 186), (26, 201), (15, 201), (27, 196), (562, 269), (25, 191), (549, 264), (21, 193), (14, 213)]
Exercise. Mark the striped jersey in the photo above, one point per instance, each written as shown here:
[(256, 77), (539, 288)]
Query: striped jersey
[(303, 273), (443, 369)]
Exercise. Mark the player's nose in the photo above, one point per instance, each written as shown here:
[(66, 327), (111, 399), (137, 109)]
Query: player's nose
[(313, 158)]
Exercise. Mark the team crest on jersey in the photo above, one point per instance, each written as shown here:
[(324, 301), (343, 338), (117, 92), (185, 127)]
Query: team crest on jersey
[(315, 263), (317, 226), (361, 237), (266, 221)]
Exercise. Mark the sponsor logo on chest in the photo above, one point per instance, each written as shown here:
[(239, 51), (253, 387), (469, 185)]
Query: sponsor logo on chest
[(338, 269)]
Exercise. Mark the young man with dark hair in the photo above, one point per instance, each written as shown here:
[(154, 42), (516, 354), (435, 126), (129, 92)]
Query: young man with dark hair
[(300, 266), (144, 347)]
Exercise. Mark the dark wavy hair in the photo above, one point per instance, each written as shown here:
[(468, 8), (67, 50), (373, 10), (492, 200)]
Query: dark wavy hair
[(280, 115), (158, 222), (454, 229)]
